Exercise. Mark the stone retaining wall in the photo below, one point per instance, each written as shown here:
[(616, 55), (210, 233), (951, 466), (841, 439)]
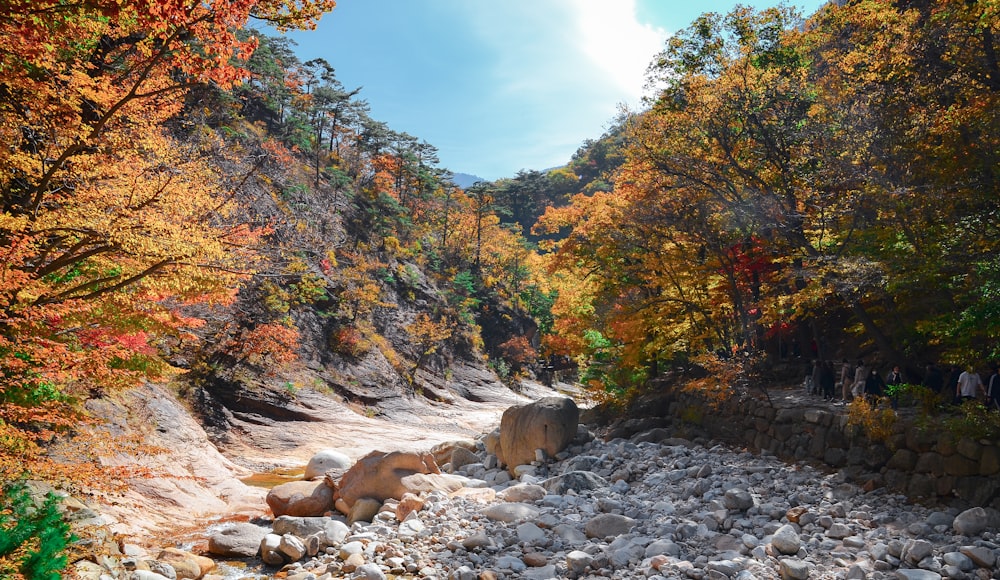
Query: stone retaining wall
[(925, 465)]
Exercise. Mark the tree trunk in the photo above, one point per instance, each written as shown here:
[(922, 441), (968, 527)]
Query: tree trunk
[(883, 342)]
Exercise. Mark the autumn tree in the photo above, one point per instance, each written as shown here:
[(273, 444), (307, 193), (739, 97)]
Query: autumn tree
[(709, 179), (482, 199), (787, 172), (917, 83), (426, 336), (107, 222)]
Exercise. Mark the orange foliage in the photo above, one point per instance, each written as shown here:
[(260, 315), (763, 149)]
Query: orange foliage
[(350, 341), (385, 168), (518, 352), (721, 378), (266, 345), (106, 221)]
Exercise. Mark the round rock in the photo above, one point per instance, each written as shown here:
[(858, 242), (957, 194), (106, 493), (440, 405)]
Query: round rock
[(326, 460), (971, 522), (608, 525), (238, 540), (523, 492), (786, 540), (511, 512)]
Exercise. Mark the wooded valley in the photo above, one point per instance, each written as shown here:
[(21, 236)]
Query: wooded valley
[(180, 196)]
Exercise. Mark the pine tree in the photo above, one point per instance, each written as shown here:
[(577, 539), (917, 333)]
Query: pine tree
[(33, 538)]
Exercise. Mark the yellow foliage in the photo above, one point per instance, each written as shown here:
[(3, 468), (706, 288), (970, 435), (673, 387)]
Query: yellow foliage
[(390, 354), (392, 244), (428, 334), (877, 420), (722, 374), (108, 223), (331, 258)]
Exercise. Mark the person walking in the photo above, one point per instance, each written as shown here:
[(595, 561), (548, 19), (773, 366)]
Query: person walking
[(993, 388), (817, 373), (969, 385), (846, 379), (860, 375), (874, 387), (894, 383), (827, 380), (933, 378)]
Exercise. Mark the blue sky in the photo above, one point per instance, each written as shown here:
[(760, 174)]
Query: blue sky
[(501, 86)]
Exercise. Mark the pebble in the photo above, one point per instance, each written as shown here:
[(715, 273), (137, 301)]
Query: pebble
[(672, 510)]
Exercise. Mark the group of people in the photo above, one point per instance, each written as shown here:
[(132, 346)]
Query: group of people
[(965, 384), (857, 379)]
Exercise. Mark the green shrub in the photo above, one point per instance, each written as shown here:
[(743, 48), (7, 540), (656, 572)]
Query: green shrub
[(33, 538), (974, 421)]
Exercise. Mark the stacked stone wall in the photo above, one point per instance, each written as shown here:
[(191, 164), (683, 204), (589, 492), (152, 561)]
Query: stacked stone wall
[(916, 460)]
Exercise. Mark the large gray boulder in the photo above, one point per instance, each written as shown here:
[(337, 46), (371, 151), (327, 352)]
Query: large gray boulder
[(238, 540), (971, 522), (549, 424)]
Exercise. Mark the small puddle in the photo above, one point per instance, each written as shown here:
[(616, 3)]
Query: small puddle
[(237, 570), (275, 477)]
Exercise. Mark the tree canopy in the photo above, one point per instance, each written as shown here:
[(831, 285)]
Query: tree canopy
[(786, 171), (107, 221)]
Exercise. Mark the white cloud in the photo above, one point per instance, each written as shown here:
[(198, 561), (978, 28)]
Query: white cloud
[(616, 42), (557, 71), (594, 44)]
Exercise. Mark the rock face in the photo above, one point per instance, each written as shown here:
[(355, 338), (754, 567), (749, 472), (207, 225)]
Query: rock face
[(379, 475), (549, 424), (301, 498), (193, 478)]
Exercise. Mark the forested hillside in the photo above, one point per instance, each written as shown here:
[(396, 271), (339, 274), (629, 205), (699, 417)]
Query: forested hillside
[(184, 199), (825, 187)]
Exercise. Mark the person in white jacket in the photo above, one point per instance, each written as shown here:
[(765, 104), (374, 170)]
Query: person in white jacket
[(969, 385)]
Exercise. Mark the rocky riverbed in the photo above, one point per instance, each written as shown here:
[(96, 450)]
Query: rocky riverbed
[(653, 507)]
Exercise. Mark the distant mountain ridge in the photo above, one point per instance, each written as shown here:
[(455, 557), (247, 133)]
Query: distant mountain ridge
[(465, 180)]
